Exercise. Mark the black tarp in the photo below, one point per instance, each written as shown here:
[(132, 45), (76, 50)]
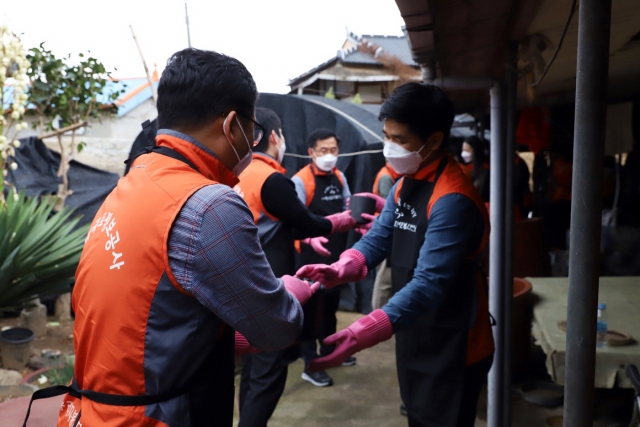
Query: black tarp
[(37, 176), (357, 126), (301, 115)]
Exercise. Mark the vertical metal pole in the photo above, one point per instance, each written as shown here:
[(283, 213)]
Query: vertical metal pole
[(586, 209), (496, 391), (511, 95), (186, 14)]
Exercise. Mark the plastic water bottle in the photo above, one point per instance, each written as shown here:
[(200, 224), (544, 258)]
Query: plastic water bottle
[(601, 326)]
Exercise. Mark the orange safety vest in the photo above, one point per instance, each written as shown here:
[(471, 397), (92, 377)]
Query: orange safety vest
[(307, 175), (137, 331), (480, 344), (323, 197), (251, 181), (386, 170)]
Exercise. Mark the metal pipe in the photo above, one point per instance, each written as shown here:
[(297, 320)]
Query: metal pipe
[(496, 390), (511, 95), (586, 209), (186, 15)]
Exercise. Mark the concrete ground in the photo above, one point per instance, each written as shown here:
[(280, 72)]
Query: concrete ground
[(367, 394)]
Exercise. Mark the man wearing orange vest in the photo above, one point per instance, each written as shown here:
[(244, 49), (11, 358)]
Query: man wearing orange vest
[(172, 266), (325, 191), (385, 180), (280, 218), (434, 227)]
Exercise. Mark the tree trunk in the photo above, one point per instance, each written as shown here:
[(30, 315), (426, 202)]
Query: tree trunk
[(63, 187)]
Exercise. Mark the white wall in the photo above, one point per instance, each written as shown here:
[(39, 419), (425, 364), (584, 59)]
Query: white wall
[(109, 142)]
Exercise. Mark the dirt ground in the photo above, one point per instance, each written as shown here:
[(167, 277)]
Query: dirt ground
[(57, 338)]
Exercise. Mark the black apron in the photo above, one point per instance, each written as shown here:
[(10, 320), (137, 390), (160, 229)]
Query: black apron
[(210, 390), (327, 200), (431, 355)]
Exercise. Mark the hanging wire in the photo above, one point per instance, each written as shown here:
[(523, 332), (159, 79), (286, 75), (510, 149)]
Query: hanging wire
[(555, 54), (356, 153)]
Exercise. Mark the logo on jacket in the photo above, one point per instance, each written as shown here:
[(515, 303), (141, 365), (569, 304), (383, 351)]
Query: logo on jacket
[(405, 210), (331, 192)]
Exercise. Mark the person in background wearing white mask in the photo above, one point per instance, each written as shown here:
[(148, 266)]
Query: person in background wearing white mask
[(281, 218), (325, 191), (434, 227)]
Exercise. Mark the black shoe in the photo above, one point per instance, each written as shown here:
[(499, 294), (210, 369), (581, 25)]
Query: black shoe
[(318, 379), (349, 362), (403, 410)]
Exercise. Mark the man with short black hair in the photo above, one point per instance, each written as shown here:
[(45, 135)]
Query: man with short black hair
[(281, 218), (434, 228), (325, 191), (172, 265)]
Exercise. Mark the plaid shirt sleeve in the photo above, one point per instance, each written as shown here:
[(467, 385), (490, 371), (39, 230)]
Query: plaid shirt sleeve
[(215, 254)]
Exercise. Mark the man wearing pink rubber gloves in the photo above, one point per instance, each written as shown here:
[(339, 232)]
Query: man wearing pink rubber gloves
[(324, 189), (434, 228)]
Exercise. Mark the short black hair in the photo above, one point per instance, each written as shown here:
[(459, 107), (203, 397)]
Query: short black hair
[(269, 121), (321, 134), (425, 109), (199, 85)]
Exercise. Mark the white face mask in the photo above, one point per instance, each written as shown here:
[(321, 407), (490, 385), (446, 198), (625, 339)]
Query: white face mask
[(281, 151), (403, 161), (246, 160), (467, 156), (327, 162)]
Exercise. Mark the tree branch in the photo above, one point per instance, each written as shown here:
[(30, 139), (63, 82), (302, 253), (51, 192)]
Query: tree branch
[(63, 130)]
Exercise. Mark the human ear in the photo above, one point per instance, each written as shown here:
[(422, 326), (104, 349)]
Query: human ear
[(273, 138), (435, 140), (229, 122)]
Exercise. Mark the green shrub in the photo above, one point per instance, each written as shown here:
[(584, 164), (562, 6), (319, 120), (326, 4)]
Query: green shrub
[(39, 249)]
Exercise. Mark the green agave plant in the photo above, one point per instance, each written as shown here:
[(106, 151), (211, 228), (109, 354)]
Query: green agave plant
[(39, 249)]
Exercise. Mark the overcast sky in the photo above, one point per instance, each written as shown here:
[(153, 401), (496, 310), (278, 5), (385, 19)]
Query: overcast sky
[(275, 39)]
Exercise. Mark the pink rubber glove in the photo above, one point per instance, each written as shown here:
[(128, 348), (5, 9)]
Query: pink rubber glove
[(342, 221), (300, 289), (380, 201), (351, 267), (363, 333), (242, 346), (316, 244), (364, 228)]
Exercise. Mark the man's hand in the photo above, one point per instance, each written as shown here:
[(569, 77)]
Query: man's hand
[(317, 243), (341, 222), (300, 289), (351, 267), (363, 333)]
